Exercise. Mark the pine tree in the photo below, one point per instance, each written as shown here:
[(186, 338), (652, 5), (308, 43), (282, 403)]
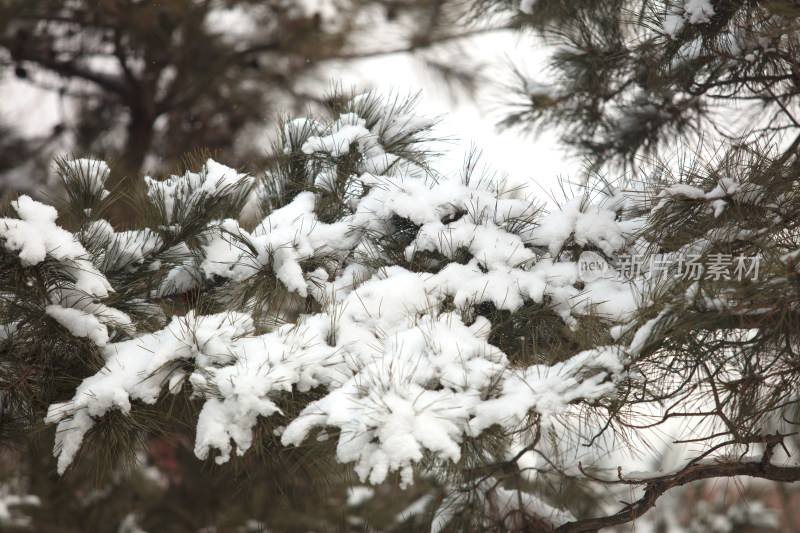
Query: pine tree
[(631, 85), (631, 78), (145, 82), (439, 333), (399, 314)]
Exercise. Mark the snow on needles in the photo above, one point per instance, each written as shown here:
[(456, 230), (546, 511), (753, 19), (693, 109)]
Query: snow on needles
[(35, 237), (184, 192), (698, 11), (692, 11), (402, 361), (35, 234), (94, 172)]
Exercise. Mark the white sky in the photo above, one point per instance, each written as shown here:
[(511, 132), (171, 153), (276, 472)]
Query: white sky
[(537, 161)]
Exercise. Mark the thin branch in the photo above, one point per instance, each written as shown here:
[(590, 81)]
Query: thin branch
[(658, 486), (416, 46)]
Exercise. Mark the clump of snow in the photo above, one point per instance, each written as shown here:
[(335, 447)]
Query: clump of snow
[(698, 11), (179, 194), (35, 234), (549, 389), (692, 12), (644, 334), (526, 6), (585, 224), (92, 172), (348, 129), (673, 24), (128, 375), (130, 249), (79, 323), (36, 237)]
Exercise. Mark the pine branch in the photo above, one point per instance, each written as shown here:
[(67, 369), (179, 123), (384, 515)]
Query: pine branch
[(658, 486)]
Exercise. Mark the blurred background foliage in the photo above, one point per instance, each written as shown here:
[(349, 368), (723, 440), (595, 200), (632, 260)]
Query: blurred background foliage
[(144, 82)]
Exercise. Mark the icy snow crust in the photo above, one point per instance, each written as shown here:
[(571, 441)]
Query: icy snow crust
[(401, 378)]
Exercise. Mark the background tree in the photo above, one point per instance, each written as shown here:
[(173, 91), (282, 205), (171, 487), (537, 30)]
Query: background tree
[(149, 82), (426, 331), (634, 78)]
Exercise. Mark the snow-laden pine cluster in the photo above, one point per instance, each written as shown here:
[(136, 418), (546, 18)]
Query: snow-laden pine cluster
[(395, 304), (409, 316), (34, 237), (401, 353)]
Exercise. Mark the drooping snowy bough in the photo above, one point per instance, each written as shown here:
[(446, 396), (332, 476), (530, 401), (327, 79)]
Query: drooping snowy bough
[(434, 322)]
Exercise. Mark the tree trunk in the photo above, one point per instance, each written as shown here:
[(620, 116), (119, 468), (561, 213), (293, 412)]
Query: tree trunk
[(125, 176)]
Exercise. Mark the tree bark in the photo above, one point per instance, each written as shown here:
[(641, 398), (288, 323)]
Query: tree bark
[(125, 176)]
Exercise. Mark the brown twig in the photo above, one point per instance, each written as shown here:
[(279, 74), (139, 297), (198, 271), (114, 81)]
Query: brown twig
[(657, 486)]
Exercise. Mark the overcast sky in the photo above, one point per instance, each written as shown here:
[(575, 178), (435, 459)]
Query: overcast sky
[(535, 160)]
